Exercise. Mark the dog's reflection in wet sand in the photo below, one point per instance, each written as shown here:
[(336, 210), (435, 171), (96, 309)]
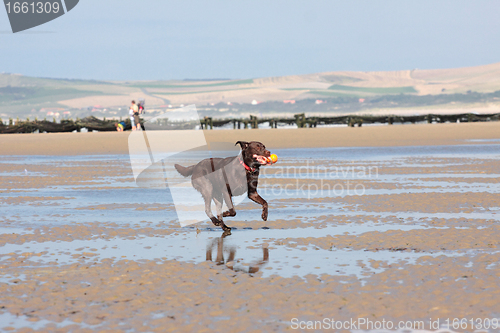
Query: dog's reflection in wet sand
[(230, 262)]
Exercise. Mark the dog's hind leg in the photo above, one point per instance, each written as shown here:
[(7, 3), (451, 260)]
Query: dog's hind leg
[(229, 203), (216, 221), (218, 207), (208, 211), (203, 185)]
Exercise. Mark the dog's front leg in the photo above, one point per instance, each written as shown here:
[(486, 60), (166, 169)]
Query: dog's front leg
[(255, 197)]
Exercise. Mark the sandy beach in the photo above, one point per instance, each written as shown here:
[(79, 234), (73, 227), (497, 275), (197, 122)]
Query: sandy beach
[(244, 201), (366, 136), (83, 249)]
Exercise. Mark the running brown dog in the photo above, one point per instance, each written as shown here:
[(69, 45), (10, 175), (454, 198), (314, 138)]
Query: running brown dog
[(220, 179)]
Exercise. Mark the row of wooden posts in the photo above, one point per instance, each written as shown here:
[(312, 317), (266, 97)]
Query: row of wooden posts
[(95, 124), (302, 121), (65, 125)]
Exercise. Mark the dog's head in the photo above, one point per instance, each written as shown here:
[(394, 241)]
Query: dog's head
[(254, 153)]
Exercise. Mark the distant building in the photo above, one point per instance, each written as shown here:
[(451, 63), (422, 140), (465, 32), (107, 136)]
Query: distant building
[(289, 101), (255, 102), (361, 100), (319, 101), (42, 110)]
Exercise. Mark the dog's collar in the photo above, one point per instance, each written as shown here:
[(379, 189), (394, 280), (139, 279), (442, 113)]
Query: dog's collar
[(246, 166)]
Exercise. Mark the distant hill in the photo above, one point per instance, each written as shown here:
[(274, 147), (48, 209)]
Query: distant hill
[(41, 97)]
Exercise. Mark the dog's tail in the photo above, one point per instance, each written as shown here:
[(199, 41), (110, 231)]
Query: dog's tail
[(183, 170)]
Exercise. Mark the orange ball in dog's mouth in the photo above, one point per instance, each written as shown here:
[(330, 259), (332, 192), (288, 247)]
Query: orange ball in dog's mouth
[(266, 160)]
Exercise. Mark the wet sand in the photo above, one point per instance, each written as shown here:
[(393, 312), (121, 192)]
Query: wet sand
[(83, 249), (366, 136)]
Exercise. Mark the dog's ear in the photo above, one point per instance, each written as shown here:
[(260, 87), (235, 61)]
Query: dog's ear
[(243, 144)]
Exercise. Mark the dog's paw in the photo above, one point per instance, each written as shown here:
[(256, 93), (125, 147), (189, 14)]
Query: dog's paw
[(229, 213), (216, 222), (264, 215)]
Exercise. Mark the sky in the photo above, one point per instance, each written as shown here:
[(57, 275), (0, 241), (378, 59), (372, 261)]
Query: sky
[(186, 39)]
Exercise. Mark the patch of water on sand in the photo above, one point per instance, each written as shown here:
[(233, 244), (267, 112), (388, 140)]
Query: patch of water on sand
[(17, 231), (90, 206), (11, 279), (331, 192), (19, 173), (57, 160), (423, 217), (333, 209), (396, 177), (248, 248), (18, 322), (482, 140)]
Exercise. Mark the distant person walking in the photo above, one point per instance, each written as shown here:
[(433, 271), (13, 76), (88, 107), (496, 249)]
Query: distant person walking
[(135, 115), (131, 115)]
